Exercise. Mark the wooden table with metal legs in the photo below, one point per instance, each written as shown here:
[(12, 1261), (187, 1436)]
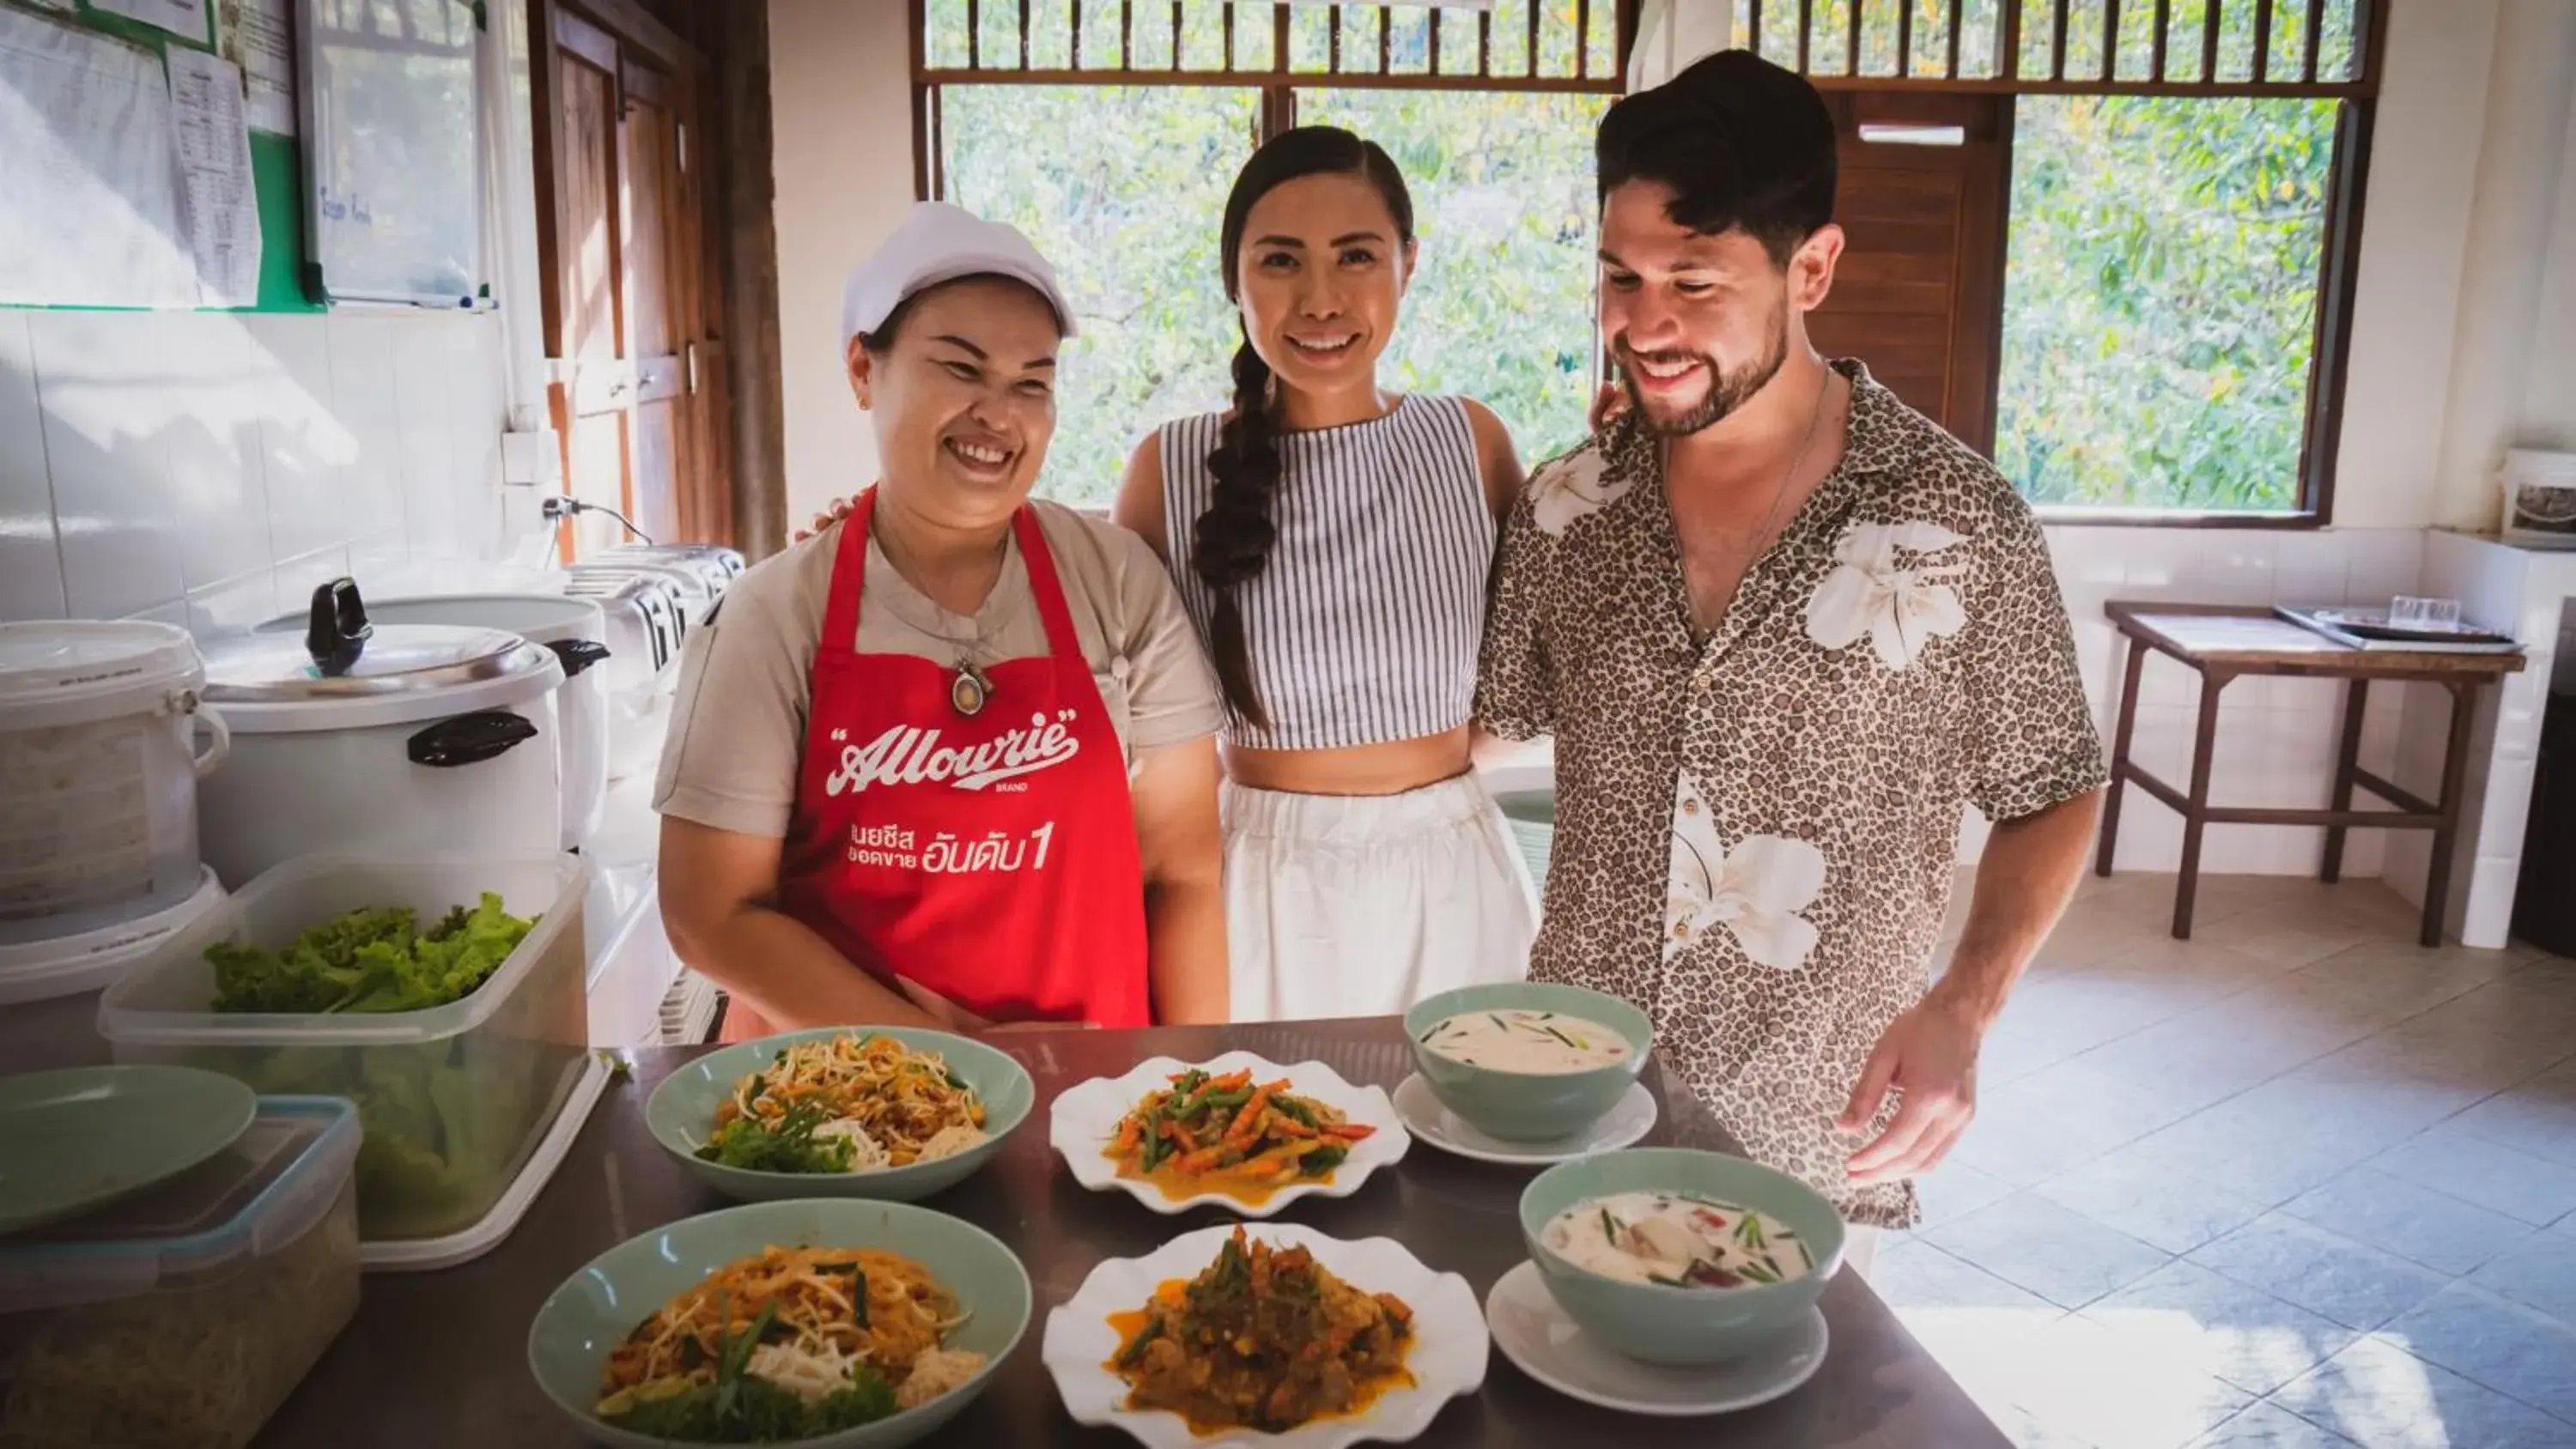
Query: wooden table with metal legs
[(2225, 642)]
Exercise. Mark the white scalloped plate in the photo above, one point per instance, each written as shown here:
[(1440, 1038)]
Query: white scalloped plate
[(1085, 1117), (1448, 1357)]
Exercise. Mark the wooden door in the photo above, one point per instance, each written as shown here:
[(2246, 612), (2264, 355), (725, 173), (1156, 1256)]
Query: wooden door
[(1918, 295), (652, 221), (629, 315)]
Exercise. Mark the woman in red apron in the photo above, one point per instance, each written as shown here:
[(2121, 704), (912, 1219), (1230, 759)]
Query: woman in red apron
[(966, 843)]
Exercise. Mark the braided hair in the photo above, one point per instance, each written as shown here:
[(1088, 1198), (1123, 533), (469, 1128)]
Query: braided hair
[(1231, 541)]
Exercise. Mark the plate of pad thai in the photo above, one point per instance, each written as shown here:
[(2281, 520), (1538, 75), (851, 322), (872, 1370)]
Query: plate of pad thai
[(849, 1111), (812, 1323)]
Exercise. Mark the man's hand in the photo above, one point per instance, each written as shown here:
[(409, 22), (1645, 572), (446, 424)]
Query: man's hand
[(1928, 1056), (838, 510)]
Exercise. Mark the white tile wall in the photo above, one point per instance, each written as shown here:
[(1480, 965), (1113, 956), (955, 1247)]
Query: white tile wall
[(211, 469), (107, 391), (366, 398), (2507, 588), (306, 449), (31, 562), (2276, 737)]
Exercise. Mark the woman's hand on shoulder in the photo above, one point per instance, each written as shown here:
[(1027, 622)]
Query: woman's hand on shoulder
[(833, 512), (1496, 459), (1608, 406)]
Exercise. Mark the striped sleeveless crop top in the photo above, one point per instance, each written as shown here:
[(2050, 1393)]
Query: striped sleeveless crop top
[(1363, 624)]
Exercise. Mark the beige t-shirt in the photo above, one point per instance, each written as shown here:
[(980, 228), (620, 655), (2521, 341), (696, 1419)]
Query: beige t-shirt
[(738, 726)]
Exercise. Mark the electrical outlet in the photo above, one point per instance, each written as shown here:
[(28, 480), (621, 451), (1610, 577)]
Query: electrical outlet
[(532, 459)]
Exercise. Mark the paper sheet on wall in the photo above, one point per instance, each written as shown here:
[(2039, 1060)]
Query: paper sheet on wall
[(256, 35), (214, 176), (179, 17), (93, 216)]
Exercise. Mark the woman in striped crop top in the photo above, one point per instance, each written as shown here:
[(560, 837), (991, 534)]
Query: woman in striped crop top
[(1332, 541)]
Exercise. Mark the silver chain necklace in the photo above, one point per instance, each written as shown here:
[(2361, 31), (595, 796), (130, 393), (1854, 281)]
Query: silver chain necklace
[(970, 688), (1815, 416)]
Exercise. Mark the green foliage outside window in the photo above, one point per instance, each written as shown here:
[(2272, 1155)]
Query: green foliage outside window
[(1122, 187), (1501, 308), (2163, 256), (2160, 299)]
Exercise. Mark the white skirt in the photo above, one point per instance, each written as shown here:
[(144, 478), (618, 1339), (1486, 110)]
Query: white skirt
[(1361, 905)]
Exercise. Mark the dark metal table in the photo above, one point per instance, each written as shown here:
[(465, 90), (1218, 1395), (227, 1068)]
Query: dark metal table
[(439, 1359)]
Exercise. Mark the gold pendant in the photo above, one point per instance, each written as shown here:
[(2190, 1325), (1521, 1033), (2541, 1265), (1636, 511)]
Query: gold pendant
[(968, 691)]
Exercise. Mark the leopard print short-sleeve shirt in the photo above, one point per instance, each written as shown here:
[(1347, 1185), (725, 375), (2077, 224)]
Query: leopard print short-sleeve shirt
[(1755, 832)]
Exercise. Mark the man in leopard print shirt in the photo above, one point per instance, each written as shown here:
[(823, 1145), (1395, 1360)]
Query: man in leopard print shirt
[(1784, 630)]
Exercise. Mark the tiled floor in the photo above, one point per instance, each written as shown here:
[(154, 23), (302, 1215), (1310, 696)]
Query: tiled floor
[(2295, 1182)]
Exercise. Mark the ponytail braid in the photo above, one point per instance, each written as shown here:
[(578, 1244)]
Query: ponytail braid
[(1231, 540), (1230, 543)]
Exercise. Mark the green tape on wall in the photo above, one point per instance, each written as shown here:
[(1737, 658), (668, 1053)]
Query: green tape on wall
[(277, 172)]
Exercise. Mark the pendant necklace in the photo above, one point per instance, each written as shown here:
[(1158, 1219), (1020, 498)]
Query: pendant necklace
[(969, 690)]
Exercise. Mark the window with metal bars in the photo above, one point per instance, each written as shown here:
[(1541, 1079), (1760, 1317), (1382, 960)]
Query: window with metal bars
[(2155, 47), (2147, 269), (1111, 131), (2131, 294)]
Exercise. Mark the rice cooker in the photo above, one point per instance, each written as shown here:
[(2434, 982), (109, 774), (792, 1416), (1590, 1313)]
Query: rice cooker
[(645, 626), (418, 738), (696, 584), (577, 631), (103, 744), (713, 562)]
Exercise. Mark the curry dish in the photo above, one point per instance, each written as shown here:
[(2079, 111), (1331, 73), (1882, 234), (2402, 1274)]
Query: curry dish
[(1262, 1339)]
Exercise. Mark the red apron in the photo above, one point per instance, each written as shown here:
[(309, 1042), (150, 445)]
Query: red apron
[(989, 858)]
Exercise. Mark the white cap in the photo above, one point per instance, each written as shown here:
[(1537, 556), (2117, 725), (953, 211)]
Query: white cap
[(941, 243)]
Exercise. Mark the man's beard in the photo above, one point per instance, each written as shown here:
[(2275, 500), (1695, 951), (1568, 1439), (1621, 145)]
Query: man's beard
[(1728, 392)]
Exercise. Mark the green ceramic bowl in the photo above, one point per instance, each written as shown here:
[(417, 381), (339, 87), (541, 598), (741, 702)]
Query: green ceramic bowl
[(1681, 1326), (594, 1310), (681, 1114), (1529, 1106)]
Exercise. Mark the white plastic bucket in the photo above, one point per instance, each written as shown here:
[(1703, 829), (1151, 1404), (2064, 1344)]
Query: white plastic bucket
[(100, 755)]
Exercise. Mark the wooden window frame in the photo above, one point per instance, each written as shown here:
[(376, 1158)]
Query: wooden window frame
[(2348, 169), (1277, 83), (2358, 92)]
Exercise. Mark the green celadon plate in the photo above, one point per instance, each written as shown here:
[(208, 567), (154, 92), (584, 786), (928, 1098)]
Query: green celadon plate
[(596, 1308), (71, 1140), (681, 1115)]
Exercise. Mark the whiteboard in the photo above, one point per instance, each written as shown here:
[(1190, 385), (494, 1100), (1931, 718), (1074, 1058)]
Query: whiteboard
[(393, 143)]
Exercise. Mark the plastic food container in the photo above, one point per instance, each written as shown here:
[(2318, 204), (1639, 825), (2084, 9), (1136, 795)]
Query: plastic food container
[(181, 1317), (49, 989), (92, 960), (452, 1100), (425, 1255), (98, 773)]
